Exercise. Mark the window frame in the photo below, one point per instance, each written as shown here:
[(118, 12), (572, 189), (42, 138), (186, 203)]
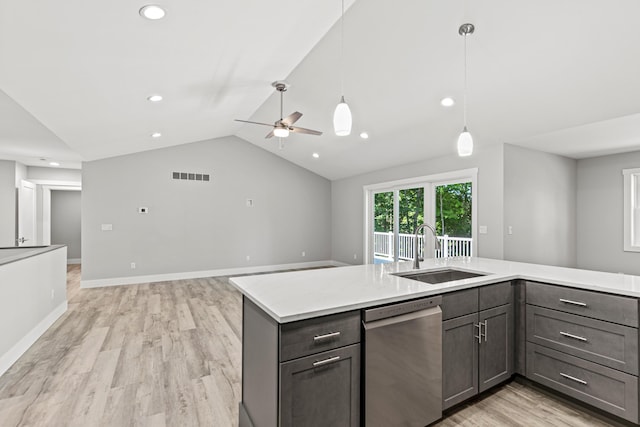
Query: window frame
[(631, 203)]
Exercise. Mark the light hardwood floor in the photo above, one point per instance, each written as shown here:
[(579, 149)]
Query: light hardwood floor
[(169, 354)]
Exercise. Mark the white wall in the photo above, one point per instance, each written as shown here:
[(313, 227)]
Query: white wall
[(540, 206), (198, 226), (600, 214), (7, 203), (65, 221), (347, 200), (54, 174)]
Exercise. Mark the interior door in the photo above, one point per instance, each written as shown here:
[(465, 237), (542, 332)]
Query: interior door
[(26, 214)]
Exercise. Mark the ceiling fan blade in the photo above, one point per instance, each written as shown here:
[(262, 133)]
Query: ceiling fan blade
[(291, 118), (269, 135), (253, 123), (303, 130)]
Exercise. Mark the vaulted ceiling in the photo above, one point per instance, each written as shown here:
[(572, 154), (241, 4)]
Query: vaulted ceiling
[(557, 76)]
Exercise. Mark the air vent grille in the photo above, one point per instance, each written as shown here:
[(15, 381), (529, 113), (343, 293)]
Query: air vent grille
[(191, 176)]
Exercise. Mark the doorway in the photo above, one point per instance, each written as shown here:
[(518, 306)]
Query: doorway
[(394, 210)]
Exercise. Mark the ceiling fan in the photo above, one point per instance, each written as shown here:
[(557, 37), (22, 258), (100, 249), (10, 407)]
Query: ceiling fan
[(282, 127)]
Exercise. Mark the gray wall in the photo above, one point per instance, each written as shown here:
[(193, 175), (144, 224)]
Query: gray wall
[(196, 226), (65, 221), (7, 203), (348, 200), (540, 206), (600, 214), (54, 174)]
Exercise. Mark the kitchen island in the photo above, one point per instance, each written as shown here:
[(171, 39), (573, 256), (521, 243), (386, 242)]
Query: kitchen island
[(522, 302), (33, 295)]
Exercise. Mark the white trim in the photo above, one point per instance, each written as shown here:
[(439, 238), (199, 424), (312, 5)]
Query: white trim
[(631, 205), (74, 261), (133, 280), (15, 352), (56, 183), (406, 183)]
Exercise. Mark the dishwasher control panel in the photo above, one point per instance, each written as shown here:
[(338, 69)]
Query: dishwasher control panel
[(397, 309)]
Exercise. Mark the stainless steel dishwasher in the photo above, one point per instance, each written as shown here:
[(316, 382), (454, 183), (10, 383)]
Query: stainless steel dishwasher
[(403, 364)]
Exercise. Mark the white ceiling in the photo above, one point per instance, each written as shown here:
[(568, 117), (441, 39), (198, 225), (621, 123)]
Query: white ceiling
[(557, 76)]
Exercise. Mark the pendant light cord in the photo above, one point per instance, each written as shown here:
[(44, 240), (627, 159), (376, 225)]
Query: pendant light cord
[(342, 52), (465, 82)]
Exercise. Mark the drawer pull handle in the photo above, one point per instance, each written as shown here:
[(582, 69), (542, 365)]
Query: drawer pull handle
[(568, 301), (569, 377), (326, 336), (327, 361), (486, 328), (575, 337)]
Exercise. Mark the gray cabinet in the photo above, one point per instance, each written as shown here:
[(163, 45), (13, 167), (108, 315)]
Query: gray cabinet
[(300, 373), (477, 341), (584, 344), (496, 349), (322, 389), (459, 359)]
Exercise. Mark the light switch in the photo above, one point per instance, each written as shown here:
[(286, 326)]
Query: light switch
[(510, 229), (249, 203), (483, 229), (106, 227)]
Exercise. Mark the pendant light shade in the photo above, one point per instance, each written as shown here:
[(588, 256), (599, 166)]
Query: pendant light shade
[(342, 118), (465, 143), (465, 140)]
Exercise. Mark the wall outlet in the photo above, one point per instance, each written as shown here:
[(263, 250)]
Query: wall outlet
[(510, 229), (248, 257), (355, 256), (133, 265), (483, 229), (304, 253), (53, 293)]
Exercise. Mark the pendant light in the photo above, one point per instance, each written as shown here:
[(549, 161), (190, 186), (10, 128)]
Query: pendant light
[(342, 115), (465, 140)]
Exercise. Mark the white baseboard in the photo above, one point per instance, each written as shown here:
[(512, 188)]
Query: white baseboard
[(15, 352), (132, 280), (74, 261)]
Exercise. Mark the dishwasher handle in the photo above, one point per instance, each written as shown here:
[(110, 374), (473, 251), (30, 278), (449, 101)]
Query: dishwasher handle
[(402, 318)]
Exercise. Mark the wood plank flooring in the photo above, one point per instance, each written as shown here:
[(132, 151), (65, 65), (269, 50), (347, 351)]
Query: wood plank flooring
[(169, 354)]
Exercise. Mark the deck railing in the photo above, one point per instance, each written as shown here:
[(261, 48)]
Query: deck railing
[(383, 246)]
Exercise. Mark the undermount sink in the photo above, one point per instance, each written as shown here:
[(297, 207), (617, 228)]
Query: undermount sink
[(439, 276)]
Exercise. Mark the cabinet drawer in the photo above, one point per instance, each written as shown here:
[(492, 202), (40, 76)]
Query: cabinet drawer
[(322, 389), (611, 308), (605, 388), (608, 344), (298, 339), (456, 304), (495, 295)]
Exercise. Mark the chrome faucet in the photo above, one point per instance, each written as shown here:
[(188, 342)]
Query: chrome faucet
[(416, 258)]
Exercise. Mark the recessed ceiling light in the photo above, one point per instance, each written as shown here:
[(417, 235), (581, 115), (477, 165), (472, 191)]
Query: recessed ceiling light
[(156, 135), (54, 164), (152, 11), (447, 102), (316, 155), (364, 135), (154, 98)]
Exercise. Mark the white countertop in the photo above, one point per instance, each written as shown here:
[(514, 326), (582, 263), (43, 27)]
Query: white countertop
[(17, 253), (298, 295)]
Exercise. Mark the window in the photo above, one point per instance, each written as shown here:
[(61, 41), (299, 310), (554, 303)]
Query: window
[(631, 210)]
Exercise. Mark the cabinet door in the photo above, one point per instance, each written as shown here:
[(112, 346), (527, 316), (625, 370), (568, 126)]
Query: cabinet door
[(496, 349), (459, 359), (322, 389)]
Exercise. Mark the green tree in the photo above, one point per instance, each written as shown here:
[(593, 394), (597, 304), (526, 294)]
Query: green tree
[(453, 210)]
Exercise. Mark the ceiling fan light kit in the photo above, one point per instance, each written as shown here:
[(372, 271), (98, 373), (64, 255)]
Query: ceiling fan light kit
[(284, 126), (465, 140)]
